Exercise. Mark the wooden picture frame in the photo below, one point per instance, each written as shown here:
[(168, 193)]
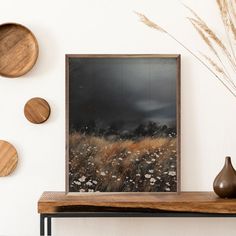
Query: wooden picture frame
[(90, 68)]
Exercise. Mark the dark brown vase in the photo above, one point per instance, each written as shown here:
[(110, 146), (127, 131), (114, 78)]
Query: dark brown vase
[(225, 182)]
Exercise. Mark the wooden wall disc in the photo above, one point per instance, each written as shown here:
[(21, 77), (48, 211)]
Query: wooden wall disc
[(8, 158), (37, 110), (18, 50)]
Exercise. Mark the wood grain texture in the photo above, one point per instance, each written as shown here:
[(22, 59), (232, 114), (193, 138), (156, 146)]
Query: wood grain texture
[(8, 158), (18, 50), (198, 202), (37, 110)]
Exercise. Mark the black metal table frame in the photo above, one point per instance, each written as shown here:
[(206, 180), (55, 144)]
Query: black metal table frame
[(49, 217)]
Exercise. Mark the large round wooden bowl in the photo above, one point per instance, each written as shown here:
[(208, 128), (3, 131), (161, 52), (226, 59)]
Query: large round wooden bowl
[(18, 50), (8, 158)]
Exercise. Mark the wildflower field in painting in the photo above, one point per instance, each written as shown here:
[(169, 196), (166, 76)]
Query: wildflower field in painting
[(113, 164)]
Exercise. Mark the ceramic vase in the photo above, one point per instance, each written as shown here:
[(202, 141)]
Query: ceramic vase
[(225, 182)]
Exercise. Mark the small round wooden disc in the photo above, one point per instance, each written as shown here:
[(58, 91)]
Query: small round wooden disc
[(37, 110), (18, 50), (8, 158)]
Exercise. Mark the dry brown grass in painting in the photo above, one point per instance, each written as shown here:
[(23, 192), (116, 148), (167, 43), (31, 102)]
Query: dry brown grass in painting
[(144, 165)]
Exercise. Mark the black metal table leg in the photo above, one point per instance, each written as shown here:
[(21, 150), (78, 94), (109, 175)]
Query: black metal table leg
[(42, 228), (49, 225)]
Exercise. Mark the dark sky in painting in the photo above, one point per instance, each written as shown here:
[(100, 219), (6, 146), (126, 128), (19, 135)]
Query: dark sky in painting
[(125, 91)]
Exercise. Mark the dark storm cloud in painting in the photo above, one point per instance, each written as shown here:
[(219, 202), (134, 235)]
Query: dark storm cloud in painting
[(125, 91)]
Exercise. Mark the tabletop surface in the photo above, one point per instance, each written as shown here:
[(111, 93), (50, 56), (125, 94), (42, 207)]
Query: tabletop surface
[(198, 202)]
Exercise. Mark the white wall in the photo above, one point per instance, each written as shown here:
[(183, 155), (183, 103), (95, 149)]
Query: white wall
[(108, 26)]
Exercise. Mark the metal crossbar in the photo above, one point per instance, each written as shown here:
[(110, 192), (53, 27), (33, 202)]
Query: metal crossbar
[(49, 217)]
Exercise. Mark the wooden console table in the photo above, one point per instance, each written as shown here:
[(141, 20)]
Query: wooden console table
[(185, 204)]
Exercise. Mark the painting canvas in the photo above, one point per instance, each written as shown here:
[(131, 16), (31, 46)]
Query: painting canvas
[(123, 124)]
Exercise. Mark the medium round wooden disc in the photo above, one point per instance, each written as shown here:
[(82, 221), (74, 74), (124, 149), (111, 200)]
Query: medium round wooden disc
[(37, 110), (8, 158), (18, 50)]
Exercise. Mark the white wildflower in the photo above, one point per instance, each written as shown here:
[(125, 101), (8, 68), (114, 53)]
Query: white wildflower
[(153, 180), (77, 182), (89, 183), (172, 173), (151, 171), (82, 179), (147, 176), (103, 173)]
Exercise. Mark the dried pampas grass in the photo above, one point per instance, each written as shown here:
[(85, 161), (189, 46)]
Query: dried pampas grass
[(149, 23), (222, 62)]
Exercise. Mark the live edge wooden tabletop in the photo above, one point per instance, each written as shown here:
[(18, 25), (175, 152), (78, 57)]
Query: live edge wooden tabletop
[(198, 202)]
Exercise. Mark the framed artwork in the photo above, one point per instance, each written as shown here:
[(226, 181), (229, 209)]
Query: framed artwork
[(122, 123)]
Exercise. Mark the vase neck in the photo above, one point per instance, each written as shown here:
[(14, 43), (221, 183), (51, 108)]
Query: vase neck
[(228, 161)]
